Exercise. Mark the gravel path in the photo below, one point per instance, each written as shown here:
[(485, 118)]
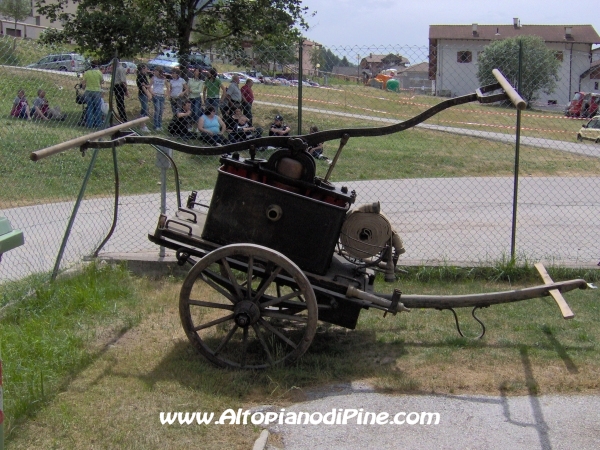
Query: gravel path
[(466, 422)]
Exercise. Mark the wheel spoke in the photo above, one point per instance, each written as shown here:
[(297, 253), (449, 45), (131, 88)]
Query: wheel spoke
[(262, 341), (279, 315), (266, 284), (210, 304), (286, 297), (218, 288), (231, 276), (214, 322), (244, 346), (276, 332), (226, 339), (250, 270)]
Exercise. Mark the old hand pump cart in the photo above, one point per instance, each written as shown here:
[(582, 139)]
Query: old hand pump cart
[(278, 249)]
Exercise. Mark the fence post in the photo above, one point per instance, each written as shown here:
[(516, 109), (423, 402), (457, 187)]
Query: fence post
[(300, 68), (513, 238)]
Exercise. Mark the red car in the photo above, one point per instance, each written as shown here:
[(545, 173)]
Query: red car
[(583, 105)]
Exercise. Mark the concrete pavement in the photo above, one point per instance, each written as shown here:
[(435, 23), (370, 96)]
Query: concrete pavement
[(442, 221)]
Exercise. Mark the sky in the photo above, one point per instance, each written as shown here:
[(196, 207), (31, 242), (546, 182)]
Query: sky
[(406, 23)]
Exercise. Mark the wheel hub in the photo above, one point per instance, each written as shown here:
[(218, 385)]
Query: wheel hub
[(246, 313)]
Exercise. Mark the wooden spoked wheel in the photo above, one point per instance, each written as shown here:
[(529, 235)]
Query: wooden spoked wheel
[(247, 306)]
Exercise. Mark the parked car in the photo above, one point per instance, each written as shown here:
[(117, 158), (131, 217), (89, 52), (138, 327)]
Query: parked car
[(164, 62), (583, 105), (169, 60), (129, 67), (590, 131), (67, 62), (244, 76), (271, 81)]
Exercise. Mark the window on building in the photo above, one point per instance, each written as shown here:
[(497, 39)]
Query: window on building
[(12, 32), (558, 55), (596, 86), (464, 57)]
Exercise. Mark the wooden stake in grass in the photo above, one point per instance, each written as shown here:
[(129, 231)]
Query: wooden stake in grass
[(555, 293)]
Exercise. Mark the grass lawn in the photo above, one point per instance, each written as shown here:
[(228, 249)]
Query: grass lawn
[(110, 353)]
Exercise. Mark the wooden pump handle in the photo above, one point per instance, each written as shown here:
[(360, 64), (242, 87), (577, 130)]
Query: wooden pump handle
[(555, 293), (63, 146), (514, 96)]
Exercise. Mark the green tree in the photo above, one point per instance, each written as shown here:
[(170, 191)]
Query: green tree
[(330, 59), (17, 10), (277, 54), (134, 26), (539, 65)]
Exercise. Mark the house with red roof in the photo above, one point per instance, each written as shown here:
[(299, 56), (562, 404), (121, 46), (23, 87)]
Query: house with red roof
[(455, 49)]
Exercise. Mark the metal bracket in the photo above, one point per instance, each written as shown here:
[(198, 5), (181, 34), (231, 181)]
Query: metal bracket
[(395, 300)]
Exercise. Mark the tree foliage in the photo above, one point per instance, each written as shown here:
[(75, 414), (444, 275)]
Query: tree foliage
[(16, 10), (135, 26), (539, 65)]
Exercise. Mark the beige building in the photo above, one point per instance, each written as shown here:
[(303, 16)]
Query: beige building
[(34, 25)]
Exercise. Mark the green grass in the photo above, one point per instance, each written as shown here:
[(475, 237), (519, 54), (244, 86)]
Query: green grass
[(56, 342), (56, 331)]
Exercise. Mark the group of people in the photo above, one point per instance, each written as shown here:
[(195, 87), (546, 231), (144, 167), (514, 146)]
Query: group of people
[(195, 105), (40, 110)]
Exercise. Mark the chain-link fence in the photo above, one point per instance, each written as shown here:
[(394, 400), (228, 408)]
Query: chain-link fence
[(447, 185)]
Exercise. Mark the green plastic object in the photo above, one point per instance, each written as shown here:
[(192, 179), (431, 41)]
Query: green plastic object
[(9, 238), (393, 85)]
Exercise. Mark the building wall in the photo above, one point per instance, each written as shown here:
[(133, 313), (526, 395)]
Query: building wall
[(34, 25), (454, 78)]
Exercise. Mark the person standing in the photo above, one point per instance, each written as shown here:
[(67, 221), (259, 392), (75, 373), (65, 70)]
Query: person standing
[(144, 94), (92, 82), (213, 90), (247, 99), (159, 90), (196, 87), (233, 95), (179, 91), (120, 90)]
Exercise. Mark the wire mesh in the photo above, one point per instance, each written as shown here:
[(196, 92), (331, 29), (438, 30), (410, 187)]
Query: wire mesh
[(447, 185)]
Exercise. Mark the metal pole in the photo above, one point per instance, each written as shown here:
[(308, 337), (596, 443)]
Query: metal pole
[(300, 55), (513, 238), (116, 202), (63, 244), (163, 201), (164, 162)]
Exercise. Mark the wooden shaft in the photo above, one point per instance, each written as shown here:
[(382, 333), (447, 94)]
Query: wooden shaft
[(63, 146), (555, 293), (514, 96)]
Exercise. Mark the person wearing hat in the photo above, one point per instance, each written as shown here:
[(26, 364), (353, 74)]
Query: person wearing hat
[(279, 128)]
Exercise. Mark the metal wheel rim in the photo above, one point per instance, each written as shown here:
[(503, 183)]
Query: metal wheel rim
[(280, 335)]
